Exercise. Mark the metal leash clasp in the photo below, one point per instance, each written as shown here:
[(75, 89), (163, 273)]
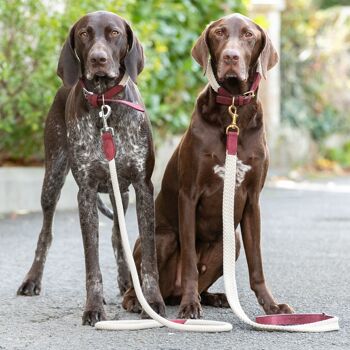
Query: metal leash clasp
[(232, 111), (104, 113)]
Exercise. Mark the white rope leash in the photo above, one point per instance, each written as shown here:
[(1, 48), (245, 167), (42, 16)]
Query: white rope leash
[(229, 263), (158, 321), (229, 243)]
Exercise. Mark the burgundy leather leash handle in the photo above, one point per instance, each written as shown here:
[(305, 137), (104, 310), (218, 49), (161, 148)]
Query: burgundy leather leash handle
[(291, 319)]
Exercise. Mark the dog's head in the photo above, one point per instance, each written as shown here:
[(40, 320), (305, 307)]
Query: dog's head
[(101, 45), (235, 44)]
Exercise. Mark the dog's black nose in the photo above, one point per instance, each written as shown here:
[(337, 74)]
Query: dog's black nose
[(98, 57), (230, 56)]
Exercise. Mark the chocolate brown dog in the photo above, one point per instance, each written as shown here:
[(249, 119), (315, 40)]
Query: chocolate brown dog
[(189, 206), (100, 52)]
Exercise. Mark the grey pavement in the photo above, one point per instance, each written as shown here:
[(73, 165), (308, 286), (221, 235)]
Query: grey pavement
[(306, 241)]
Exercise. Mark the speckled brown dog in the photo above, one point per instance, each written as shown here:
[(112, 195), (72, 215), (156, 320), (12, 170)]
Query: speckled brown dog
[(100, 48), (189, 206)]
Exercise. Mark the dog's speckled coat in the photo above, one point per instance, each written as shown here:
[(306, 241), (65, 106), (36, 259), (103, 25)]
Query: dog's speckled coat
[(104, 44)]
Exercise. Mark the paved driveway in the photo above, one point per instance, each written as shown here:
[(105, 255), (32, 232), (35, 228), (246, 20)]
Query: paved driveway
[(306, 244)]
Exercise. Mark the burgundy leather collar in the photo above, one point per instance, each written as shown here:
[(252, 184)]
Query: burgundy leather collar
[(225, 98), (96, 100)]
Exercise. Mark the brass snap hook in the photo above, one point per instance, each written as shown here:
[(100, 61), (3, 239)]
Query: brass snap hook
[(232, 111)]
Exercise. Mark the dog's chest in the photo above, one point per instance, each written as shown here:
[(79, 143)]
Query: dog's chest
[(241, 171), (84, 140)]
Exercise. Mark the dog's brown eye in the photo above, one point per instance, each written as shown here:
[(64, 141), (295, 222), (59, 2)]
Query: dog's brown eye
[(219, 32), (83, 34), (114, 33), (248, 34)]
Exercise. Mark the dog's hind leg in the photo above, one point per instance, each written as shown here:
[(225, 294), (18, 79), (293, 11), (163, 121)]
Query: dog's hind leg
[(123, 270), (54, 179), (210, 269), (56, 169)]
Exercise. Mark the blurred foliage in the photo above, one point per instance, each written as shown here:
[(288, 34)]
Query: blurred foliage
[(33, 32), (341, 155), (329, 3), (27, 75), (315, 68)]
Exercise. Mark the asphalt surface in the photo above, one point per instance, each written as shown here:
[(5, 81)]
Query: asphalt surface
[(306, 241)]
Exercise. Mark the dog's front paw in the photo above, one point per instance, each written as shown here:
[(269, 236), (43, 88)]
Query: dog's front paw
[(90, 317), (269, 303), (130, 302), (273, 309), (191, 309), (29, 287)]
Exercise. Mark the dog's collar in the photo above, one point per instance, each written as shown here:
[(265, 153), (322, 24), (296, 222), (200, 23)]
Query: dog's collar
[(226, 98), (96, 100)]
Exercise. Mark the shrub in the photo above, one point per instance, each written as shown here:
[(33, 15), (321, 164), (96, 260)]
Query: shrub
[(34, 30), (315, 68)]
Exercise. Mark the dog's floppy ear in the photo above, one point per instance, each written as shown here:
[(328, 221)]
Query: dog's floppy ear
[(268, 55), (200, 50), (134, 59), (69, 69)]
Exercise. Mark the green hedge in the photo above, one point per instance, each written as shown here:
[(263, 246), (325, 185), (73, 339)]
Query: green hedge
[(34, 30)]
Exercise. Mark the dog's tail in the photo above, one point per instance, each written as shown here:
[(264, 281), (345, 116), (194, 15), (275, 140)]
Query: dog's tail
[(104, 209)]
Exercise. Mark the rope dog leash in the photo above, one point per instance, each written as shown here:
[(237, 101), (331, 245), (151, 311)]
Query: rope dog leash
[(290, 323), (158, 321)]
